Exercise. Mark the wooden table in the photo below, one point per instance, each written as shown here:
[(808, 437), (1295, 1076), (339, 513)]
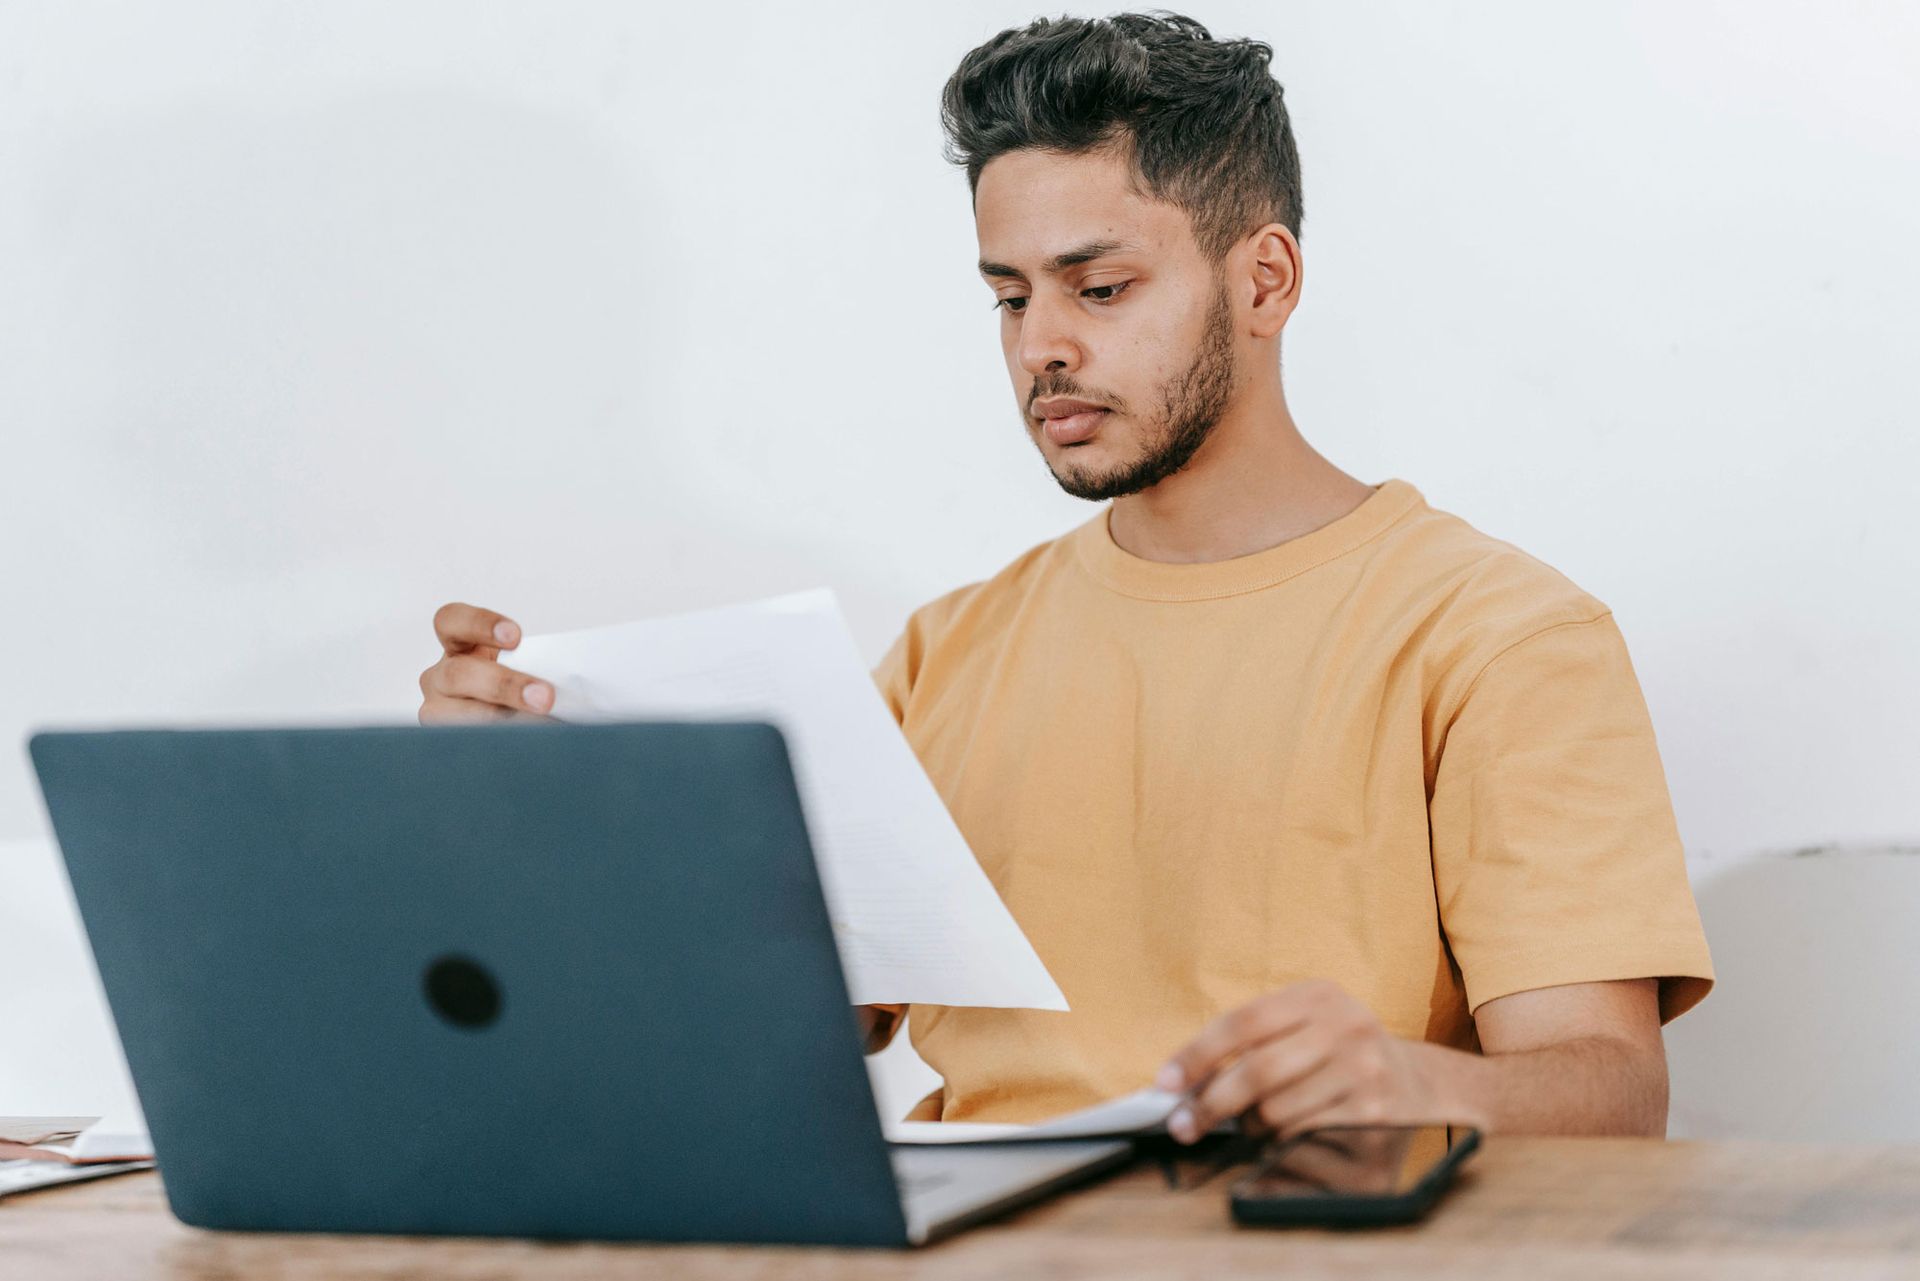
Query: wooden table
[(1623, 1209)]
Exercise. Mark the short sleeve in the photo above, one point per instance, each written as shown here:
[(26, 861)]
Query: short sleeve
[(1556, 856), (900, 666)]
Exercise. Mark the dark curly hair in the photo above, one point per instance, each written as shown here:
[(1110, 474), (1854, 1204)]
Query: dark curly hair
[(1205, 118)]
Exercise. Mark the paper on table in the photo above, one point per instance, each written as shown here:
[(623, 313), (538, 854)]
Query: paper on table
[(1135, 1113), (26, 1176), (915, 917), (76, 1140), (102, 1143), (43, 1129)]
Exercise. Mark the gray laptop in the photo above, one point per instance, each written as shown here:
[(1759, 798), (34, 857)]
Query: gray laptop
[(529, 979)]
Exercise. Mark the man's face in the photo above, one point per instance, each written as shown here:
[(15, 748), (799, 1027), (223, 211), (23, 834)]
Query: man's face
[(1106, 301)]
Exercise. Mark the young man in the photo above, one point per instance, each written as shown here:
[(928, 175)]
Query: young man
[(1319, 803)]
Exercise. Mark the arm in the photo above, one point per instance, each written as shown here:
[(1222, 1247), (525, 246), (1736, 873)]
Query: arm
[(1584, 1058)]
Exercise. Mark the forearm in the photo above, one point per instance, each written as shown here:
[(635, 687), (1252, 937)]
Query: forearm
[(1584, 1085)]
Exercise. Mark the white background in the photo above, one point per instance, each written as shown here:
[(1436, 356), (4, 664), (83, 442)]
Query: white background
[(312, 318)]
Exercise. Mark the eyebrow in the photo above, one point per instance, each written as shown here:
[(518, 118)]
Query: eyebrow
[(1060, 262)]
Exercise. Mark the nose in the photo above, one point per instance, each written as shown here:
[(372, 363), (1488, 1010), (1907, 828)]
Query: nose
[(1046, 342)]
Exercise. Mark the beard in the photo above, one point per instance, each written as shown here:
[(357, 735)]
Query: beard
[(1191, 403)]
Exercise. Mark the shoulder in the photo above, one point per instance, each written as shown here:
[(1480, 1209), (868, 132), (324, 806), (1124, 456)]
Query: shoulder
[(1474, 589), (983, 605), (1475, 598), (967, 618)]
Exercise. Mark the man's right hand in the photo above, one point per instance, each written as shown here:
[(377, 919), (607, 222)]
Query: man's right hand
[(469, 683)]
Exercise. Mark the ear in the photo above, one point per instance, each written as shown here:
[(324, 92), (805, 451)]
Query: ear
[(1272, 256)]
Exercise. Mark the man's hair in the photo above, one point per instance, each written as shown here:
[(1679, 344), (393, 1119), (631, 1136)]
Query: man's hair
[(1203, 118)]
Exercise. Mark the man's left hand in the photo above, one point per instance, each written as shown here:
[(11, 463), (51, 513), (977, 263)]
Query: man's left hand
[(1307, 1055)]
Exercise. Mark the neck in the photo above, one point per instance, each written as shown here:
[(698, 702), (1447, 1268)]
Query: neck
[(1254, 484)]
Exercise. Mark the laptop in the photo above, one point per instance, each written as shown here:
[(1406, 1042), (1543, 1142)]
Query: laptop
[(531, 979)]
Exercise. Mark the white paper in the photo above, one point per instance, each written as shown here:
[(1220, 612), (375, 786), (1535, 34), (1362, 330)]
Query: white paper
[(76, 1139), (914, 916), (1135, 1113), (101, 1143), (43, 1129)]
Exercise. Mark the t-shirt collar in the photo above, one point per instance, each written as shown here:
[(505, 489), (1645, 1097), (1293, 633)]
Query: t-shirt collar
[(1132, 575)]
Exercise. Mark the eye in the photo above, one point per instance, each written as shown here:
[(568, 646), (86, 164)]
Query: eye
[(1105, 295)]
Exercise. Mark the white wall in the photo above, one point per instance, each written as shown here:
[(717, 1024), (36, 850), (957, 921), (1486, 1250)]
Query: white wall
[(314, 317)]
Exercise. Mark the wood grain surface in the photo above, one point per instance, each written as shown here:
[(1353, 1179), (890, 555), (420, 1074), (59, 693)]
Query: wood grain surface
[(1532, 1208)]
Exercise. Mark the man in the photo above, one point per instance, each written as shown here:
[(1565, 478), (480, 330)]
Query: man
[(1320, 804)]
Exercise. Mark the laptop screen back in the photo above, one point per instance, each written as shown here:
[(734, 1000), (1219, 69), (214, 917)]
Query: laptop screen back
[(525, 979)]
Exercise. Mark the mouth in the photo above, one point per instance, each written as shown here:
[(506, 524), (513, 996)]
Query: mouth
[(1072, 429)]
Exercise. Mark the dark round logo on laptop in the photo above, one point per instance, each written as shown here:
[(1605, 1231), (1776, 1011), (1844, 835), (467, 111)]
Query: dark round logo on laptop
[(462, 993)]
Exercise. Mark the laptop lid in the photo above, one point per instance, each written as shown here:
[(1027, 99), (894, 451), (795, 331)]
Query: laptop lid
[(530, 979)]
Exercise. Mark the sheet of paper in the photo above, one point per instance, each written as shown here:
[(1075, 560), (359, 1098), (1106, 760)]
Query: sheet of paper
[(1136, 1113), (25, 1176), (42, 1129), (75, 1140), (914, 916), (102, 1143)]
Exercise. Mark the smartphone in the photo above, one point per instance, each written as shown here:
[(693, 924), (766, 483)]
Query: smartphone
[(1352, 1176)]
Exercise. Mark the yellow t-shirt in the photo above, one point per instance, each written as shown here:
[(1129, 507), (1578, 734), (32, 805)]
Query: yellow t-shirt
[(1393, 752)]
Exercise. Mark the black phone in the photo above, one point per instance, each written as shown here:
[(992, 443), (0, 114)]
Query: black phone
[(1352, 1176)]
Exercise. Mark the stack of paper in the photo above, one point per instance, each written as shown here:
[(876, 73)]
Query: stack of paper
[(40, 1151), (72, 1139), (915, 918)]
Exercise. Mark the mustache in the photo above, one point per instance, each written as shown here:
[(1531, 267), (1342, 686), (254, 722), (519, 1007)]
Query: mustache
[(1073, 392)]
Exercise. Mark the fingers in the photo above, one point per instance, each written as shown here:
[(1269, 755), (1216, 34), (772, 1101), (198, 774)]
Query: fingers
[(455, 711), (1308, 1102), (1239, 1029), (1287, 1069), (468, 685), (483, 680), (465, 628)]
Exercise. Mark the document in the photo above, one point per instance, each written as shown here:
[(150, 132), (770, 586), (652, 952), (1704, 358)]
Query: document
[(75, 1140), (25, 1176), (43, 1129), (914, 916), (1137, 1113)]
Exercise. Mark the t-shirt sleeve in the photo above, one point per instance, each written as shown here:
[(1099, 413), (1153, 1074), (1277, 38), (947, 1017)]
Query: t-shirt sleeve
[(900, 666), (1556, 856)]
